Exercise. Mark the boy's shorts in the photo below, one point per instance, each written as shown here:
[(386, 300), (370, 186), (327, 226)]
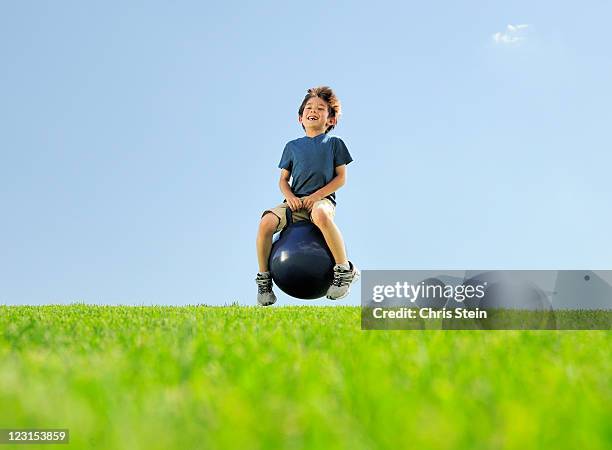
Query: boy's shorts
[(301, 214)]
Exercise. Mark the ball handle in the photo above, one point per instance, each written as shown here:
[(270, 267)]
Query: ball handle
[(288, 216)]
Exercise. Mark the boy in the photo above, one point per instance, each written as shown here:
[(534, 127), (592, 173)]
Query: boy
[(317, 165)]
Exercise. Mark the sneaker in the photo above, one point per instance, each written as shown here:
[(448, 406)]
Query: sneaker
[(343, 279), (265, 296)]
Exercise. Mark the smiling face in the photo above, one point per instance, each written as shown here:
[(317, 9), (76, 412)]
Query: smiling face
[(316, 118)]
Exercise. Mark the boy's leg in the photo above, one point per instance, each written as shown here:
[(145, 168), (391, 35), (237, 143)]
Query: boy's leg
[(270, 222), (267, 227), (322, 215), (345, 273)]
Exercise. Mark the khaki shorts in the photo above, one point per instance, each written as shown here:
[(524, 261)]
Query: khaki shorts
[(301, 214)]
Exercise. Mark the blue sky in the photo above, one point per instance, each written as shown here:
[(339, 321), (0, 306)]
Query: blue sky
[(140, 142)]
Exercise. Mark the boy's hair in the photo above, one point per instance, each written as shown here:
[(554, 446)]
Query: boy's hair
[(325, 93)]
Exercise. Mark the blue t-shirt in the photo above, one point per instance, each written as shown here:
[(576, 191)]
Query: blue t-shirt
[(312, 162)]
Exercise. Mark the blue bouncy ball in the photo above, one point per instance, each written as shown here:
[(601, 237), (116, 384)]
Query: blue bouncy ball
[(301, 263)]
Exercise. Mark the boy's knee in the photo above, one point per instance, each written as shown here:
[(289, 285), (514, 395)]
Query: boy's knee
[(269, 223), (322, 217)]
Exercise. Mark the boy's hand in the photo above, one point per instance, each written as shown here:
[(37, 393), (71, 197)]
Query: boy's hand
[(294, 203), (309, 201)]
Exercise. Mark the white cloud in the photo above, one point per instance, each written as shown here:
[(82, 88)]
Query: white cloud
[(513, 34)]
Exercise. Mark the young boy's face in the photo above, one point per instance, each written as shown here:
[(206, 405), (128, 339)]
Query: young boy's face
[(316, 115)]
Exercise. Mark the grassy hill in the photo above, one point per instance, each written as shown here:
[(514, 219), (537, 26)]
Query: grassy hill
[(296, 377)]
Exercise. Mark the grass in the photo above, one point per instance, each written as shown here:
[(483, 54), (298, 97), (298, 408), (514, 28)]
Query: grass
[(296, 377)]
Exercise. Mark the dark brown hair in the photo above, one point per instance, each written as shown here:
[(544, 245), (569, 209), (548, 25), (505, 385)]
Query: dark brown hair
[(324, 93)]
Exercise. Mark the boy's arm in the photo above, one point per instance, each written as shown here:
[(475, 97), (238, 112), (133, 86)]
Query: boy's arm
[(336, 183), (293, 202)]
